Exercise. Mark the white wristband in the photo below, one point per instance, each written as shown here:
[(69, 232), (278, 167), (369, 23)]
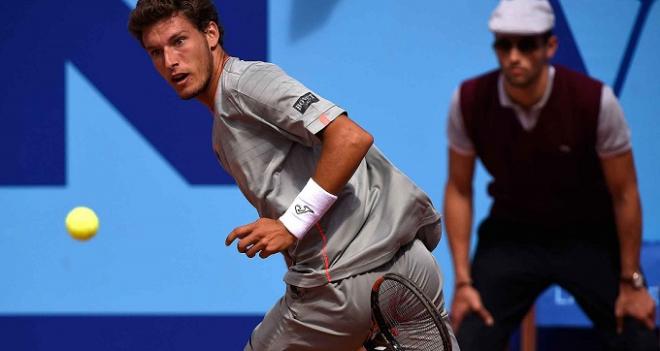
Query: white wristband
[(307, 208)]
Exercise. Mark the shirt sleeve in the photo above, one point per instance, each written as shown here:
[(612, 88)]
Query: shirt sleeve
[(456, 134), (268, 93), (613, 134)]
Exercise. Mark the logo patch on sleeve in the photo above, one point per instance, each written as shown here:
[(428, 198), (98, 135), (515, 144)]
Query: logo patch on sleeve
[(303, 103)]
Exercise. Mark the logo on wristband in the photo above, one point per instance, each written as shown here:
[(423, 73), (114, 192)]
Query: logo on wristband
[(303, 209)]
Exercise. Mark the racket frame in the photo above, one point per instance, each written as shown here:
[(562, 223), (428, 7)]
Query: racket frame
[(421, 298)]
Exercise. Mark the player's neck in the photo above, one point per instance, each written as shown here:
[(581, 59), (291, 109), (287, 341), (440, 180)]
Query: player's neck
[(527, 96), (208, 97)]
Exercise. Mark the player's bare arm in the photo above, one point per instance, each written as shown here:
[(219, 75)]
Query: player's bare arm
[(458, 219), (344, 146), (621, 180)]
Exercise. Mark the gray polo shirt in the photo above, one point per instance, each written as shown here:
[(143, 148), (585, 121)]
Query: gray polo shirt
[(264, 136), (613, 134)]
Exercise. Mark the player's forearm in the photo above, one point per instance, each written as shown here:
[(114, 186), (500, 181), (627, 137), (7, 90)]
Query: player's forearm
[(458, 222), (344, 146), (628, 215)]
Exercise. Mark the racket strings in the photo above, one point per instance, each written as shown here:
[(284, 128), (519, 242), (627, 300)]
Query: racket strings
[(411, 323)]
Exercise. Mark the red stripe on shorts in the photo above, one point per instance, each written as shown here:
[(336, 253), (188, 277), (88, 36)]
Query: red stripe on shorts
[(324, 252)]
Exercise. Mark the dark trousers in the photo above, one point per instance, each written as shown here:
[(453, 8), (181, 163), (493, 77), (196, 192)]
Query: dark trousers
[(513, 264)]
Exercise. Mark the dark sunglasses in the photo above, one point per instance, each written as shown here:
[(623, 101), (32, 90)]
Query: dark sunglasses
[(525, 44)]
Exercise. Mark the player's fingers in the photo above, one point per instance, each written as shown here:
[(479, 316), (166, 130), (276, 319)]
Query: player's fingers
[(477, 306), (247, 242), (486, 316), (239, 232), (618, 314), (267, 253), (458, 312), (650, 323), (652, 316), (269, 250), (232, 236), (255, 248), (456, 318)]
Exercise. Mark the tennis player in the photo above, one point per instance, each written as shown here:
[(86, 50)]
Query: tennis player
[(327, 198)]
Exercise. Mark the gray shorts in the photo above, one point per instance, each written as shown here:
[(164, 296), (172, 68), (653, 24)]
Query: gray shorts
[(337, 316)]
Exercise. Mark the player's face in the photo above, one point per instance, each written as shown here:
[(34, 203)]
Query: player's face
[(181, 54), (522, 58)]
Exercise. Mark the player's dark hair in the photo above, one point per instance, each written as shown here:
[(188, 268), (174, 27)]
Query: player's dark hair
[(148, 12), (546, 36)]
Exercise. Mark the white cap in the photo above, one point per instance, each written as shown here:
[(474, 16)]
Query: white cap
[(524, 17)]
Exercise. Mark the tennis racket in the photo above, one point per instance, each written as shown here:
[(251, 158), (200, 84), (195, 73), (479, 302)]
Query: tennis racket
[(407, 319)]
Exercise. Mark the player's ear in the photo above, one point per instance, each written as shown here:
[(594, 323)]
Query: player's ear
[(212, 34), (551, 47)]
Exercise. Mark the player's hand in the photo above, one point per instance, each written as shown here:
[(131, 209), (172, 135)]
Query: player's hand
[(468, 300), (264, 236), (634, 303)]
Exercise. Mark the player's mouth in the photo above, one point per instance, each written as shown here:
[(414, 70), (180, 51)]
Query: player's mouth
[(179, 79), (516, 71)]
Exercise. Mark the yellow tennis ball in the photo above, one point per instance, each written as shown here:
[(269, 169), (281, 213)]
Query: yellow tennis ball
[(82, 223)]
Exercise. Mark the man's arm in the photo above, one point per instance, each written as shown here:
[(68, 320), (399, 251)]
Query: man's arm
[(458, 212), (458, 221), (344, 145), (621, 180)]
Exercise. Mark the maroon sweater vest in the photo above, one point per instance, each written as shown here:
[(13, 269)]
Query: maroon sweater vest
[(550, 175)]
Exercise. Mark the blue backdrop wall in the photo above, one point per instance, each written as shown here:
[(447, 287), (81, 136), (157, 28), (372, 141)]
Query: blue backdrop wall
[(87, 121)]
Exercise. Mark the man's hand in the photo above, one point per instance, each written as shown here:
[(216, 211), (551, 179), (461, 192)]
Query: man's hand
[(467, 300), (634, 303), (265, 236)]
